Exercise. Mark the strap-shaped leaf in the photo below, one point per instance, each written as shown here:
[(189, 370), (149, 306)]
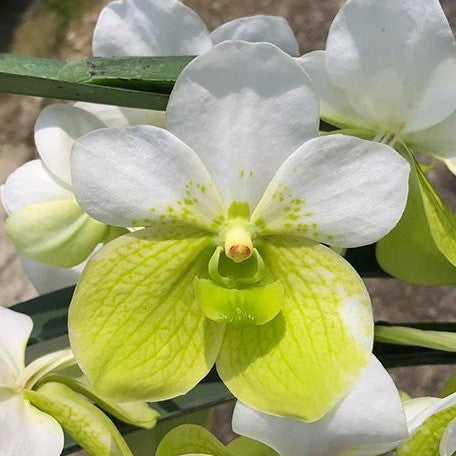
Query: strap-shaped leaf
[(138, 82)]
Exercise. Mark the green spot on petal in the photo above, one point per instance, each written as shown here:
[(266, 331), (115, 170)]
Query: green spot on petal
[(239, 209)]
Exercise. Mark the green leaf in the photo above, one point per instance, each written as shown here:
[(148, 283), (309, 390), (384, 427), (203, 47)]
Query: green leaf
[(135, 325), (442, 221), (59, 233), (243, 446), (437, 340), (426, 441), (192, 440), (254, 305), (138, 414), (306, 359), (410, 252), (449, 387), (143, 82), (81, 419)]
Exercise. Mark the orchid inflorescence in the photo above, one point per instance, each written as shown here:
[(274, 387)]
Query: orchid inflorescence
[(212, 234)]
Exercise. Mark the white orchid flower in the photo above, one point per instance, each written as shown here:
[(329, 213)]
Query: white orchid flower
[(168, 27), (47, 226), (388, 74), (25, 430), (238, 195), (369, 420)]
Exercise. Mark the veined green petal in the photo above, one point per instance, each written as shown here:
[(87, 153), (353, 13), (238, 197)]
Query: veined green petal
[(190, 439), (409, 251), (243, 446), (93, 430), (135, 325), (138, 414), (306, 359), (254, 305), (427, 439), (59, 233)]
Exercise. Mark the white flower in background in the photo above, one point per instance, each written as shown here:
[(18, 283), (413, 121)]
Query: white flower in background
[(390, 67), (168, 27), (47, 226), (236, 197), (388, 73), (25, 430), (370, 420)]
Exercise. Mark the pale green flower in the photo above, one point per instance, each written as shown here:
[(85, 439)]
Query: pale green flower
[(50, 230), (237, 197)]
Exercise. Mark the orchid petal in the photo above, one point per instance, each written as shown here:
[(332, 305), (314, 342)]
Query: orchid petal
[(58, 233), (409, 251), (338, 190), (15, 330), (30, 184), (56, 129), (398, 69), (257, 29), (190, 439), (46, 278), (24, 430), (140, 176), (448, 443), (89, 426), (305, 360), (369, 418), (428, 421), (135, 326), (118, 116), (234, 85), (335, 106), (249, 447), (149, 28), (438, 140)]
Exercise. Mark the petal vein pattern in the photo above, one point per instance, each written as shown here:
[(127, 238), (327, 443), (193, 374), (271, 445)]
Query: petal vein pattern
[(315, 349), (140, 331)]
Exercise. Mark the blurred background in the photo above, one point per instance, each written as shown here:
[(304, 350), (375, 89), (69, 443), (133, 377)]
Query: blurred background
[(63, 29)]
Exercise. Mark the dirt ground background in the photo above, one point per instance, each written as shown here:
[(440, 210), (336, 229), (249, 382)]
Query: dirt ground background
[(63, 29)]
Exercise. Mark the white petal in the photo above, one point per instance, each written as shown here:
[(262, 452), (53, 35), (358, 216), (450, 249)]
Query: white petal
[(257, 29), (56, 129), (30, 184), (335, 106), (339, 190), (46, 278), (439, 140), (420, 409), (26, 431), (15, 330), (117, 116), (396, 59), (368, 419), (448, 442), (139, 176), (149, 28), (244, 108)]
